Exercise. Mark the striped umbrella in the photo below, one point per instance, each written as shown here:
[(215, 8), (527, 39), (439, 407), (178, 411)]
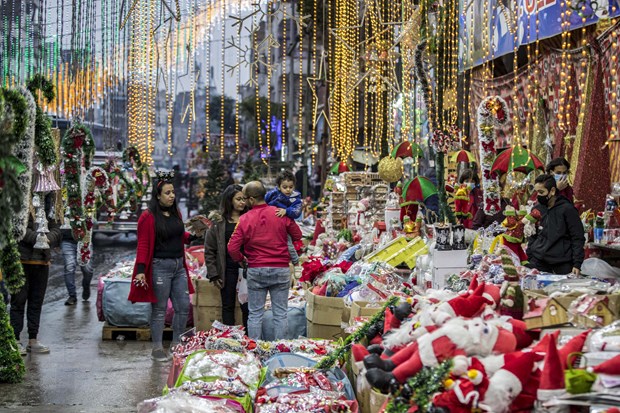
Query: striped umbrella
[(517, 159), (407, 149), (462, 156), (418, 190), (339, 167)]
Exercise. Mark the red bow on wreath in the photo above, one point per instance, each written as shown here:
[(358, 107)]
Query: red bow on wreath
[(493, 205), (78, 141)]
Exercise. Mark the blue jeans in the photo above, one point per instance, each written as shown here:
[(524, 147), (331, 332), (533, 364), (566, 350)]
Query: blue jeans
[(169, 282), (276, 282), (69, 253)]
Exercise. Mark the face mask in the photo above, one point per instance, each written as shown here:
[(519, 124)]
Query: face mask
[(559, 177), (471, 185), (543, 200)]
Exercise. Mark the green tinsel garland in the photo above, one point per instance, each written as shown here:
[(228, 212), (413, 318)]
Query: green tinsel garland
[(46, 150), (12, 269), (132, 156), (423, 386), (19, 109), (328, 361), (11, 362)]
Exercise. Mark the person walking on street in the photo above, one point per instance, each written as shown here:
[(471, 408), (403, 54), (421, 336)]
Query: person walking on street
[(264, 238), (36, 263), (558, 246), (221, 268), (68, 245), (160, 272)]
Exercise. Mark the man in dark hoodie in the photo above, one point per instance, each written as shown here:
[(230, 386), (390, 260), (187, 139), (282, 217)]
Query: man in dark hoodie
[(557, 247), (36, 265)]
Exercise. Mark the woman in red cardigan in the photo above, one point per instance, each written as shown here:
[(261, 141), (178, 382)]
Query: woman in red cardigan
[(160, 272)]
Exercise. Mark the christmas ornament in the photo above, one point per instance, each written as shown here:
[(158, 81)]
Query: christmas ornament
[(390, 169)]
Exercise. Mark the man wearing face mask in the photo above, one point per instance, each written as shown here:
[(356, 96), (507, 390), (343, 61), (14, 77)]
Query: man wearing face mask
[(560, 168), (558, 244)]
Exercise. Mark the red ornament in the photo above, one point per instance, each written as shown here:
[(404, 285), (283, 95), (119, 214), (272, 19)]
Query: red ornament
[(78, 141)]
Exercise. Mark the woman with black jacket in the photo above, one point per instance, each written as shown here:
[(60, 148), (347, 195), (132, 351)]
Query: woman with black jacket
[(221, 268), (557, 247)]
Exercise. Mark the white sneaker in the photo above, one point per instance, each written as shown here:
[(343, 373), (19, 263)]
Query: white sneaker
[(22, 349), (37, 347)]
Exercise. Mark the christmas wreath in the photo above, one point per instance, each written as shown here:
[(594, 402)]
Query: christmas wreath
[(132, 156), (46, 150)]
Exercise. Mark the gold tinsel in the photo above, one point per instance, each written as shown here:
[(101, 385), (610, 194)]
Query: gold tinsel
[(390, 169), (587, 94)]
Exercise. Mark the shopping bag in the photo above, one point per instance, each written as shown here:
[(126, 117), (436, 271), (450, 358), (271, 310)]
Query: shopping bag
[(242, 288)]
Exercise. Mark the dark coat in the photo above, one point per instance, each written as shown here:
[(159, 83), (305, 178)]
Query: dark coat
[(561, 237), (215, 251), (26, 245)]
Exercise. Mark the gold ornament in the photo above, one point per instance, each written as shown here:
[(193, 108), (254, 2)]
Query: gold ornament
[(390, 169)]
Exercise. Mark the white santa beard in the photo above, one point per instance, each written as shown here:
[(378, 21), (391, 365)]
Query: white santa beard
[(492, 364), (504, 387), (400, 336)]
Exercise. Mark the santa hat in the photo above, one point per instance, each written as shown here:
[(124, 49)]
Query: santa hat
[(509, 211), (611, 367), (492, 293), (516, 372), (467, 307), (473, 284), (575, 345), (542, 345), (552, 374), (519, 329)]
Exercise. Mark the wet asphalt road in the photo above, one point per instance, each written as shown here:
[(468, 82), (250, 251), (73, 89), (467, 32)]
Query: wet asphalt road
[(83, 373)]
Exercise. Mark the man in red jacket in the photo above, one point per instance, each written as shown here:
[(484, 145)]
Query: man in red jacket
[(264, 238)]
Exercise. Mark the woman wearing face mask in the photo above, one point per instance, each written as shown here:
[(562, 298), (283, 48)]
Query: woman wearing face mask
[(221, 268), (560, 168), (469, 178), (557, 247), (160, 272)]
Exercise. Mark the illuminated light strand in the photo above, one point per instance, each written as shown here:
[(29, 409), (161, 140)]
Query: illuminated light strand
[(237, 95), (300, 104), (223, 79), (613, 90), (284, 114), (209, 28)]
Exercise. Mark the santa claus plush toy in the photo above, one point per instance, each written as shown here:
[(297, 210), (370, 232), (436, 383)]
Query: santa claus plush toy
[(457, 339), (552, 381), (463, 394), (507, 383)]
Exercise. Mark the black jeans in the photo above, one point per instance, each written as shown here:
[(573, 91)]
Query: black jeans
[(229, 299), (562, 268), (32, 292)]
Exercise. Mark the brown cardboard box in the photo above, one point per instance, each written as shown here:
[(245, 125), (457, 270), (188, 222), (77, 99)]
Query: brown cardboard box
[(361, 309), (207, 305), (377, 400), (324, 316)]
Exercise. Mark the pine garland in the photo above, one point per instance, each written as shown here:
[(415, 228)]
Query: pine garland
[(419, 389), (12, 368), (328, 361), (43, 139), (16, 117), (24, 151), (11, 265)]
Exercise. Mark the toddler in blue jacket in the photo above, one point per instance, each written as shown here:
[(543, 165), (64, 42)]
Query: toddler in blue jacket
[(288, 201)]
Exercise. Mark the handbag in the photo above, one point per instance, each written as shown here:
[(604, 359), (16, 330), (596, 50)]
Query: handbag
[(577, 381)]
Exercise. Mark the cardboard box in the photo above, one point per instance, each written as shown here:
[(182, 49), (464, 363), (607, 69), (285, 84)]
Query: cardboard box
[(361, 309), (377, 400), (207, 305), (324, 316)]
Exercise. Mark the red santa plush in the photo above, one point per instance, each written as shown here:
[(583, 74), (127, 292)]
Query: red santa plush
[(507, 383), (457, 339), (463, 394)]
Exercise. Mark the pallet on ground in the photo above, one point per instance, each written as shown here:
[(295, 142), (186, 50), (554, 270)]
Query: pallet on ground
[(111, 332)]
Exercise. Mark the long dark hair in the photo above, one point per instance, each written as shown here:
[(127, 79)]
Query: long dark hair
[(157, 211), (226, 205)]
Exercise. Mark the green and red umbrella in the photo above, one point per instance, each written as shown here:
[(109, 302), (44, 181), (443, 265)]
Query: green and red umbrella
[(339, 167), (407, 149), (462, 156), (417, 190), (517, 159)]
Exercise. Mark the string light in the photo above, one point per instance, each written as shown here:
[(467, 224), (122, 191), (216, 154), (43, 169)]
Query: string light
[(209, 27), (223, 83), (237, 95), (613, 90), (283, 45), (515, 96), (268, 120), (259, 126), (300, 103)]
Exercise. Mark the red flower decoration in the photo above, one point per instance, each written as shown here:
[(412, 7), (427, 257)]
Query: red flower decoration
[(312, 269), (320, 350)]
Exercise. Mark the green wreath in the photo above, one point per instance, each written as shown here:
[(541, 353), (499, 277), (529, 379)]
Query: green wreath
[(43, 125), (132, 156), (114, 171), (15, 119)]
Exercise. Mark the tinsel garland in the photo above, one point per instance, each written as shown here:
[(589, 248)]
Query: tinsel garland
[(12, 269), (78, 147), (46, 151), (328, 361), (24, 151), (420, 389), (11, 362), (492, 112)]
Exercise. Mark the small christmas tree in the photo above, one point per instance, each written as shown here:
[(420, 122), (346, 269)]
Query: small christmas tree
[(11, 363), (213, 187), (251, 172)]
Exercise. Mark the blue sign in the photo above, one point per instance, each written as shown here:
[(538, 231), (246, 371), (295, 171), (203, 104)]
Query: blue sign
[(488, 28)]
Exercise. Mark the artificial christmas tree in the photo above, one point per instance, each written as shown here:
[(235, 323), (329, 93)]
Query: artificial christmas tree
[(11, 363)]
